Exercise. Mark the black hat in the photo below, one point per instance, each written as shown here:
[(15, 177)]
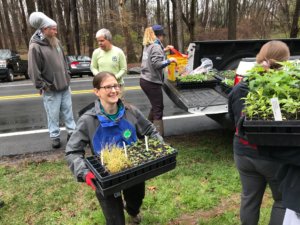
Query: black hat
[(158, 30)]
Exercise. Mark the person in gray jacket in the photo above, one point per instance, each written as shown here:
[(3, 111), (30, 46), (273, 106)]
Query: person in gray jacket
[(48, 71), (152, 76), (109, 122)]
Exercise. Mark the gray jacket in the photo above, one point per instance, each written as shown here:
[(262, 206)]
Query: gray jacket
[(86, 128), (46, 65), (153, 62)]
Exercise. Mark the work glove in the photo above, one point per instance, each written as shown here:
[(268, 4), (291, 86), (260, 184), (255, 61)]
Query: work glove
[(89, 180)]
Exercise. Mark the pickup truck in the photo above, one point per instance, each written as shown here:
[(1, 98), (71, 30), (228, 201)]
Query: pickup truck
[(225, 55), (12, 65)]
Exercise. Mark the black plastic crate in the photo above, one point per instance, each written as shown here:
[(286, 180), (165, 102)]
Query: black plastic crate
[(273, 133), (109, 184), (191, 85)]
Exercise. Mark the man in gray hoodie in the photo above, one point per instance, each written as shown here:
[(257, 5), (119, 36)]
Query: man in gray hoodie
[(48, 71)]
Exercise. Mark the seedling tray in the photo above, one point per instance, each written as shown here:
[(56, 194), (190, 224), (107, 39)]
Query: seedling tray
[(191, 85), (225, 88), (273, 133), (109, 184)]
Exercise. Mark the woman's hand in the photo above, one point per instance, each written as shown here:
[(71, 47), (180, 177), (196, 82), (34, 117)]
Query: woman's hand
[(169, 47), (172, 60)]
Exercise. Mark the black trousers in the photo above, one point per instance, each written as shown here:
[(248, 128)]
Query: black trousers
[(255, 174), (155, 96), (113, 208)]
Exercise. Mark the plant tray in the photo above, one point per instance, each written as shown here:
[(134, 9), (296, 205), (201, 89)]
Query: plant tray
[(225, 88), (273, 133), (191, 85), (109, 184)]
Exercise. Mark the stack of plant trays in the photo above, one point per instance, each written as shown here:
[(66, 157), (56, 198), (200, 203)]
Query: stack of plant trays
[(273, 133), (109, 184)]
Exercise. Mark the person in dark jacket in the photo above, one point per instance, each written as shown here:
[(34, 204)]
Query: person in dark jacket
[(109, 122), (152, 75), (255, 171), (48, 71)]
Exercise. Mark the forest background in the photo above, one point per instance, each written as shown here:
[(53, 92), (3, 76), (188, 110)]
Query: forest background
[(184, 21)]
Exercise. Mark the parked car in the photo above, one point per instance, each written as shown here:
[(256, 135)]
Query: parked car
[(79, 65), (12, 65)]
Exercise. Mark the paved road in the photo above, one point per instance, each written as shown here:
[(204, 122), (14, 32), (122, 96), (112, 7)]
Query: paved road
[(23, 120)]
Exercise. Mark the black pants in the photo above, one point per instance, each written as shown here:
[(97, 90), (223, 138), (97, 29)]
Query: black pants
[(255, 174), (113, 208), (155, 96)]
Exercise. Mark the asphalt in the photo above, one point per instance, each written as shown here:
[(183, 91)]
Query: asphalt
[(40, 142)]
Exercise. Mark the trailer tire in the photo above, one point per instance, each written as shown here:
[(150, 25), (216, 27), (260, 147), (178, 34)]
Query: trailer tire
[(10, 76), (26, 76)]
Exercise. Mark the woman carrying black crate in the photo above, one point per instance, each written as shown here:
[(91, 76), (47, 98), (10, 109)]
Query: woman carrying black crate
[(109, 122)]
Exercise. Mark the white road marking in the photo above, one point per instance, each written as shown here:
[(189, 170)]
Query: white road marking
[(63, 128), (129, 77)]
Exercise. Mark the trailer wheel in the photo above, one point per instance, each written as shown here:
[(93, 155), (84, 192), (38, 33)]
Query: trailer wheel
[(10, 76), (26, 76)]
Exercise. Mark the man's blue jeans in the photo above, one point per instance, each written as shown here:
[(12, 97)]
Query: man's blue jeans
[(58, 104)]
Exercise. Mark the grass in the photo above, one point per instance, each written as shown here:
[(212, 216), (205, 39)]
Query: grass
[(203, 189)]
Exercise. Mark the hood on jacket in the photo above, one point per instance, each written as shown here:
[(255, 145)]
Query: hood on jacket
[(39, 38)]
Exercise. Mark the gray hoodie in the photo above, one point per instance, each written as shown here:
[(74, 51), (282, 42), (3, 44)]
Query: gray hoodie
[(46, 65), (85, 131), (153, 63)]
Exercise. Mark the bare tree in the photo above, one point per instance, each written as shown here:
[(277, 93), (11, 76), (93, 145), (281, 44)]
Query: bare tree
[(179, 24), (189, 19), (8, 25), (131, 56), (76, 25), (295, 28), (3, 28), (24, 24), (158, 10), (15, 12), (68, 30), (232, 18), (91, 27)]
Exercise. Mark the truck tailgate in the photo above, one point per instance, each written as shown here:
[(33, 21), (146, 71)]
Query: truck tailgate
[(198, 100)]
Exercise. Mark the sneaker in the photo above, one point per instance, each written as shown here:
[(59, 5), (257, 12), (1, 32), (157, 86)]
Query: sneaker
[(134, 220), (55, 143)]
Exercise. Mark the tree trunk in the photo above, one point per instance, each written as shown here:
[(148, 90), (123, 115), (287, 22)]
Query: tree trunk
[(8, 26), (169, 23), (30, 9), (24, 24), (76, 25), (158, 10), (192, 20), (86, 10), (295, 28), (61, 22), (14, 11), (91, 28), (131, 56), (174, 25), (68, 34), (179, 25), (232, 18), (3, 29)]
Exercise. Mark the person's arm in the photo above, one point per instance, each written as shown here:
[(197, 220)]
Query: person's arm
[(157, 56), (122, 66), (94, 63), (75, 150), (35, 67)]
